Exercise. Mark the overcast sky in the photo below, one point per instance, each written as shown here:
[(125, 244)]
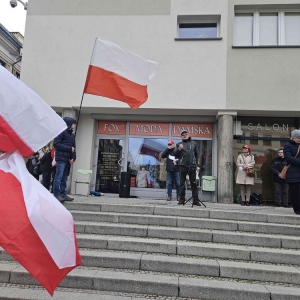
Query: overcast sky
[(13, 19)]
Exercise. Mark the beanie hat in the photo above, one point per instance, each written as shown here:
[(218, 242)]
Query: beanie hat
[(295, 134)]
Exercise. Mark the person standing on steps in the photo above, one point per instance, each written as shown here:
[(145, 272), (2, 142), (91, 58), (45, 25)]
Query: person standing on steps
[(245, 161), (292, 155), (280, 185), (188, 155), (172, 170), (65, 155)]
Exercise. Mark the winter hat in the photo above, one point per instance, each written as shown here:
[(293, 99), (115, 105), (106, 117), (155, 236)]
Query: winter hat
[(170, 142), (295, 134)]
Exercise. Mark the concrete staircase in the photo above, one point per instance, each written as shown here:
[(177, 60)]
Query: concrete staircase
[(132, 251)]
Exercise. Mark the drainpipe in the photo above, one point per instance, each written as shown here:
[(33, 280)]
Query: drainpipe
[(13, 64)]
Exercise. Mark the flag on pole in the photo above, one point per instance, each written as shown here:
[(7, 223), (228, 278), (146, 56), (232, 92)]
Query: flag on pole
[(35, 229), (119, 74), (27, 122)]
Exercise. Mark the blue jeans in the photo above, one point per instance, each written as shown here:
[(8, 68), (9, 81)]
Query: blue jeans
[(173, 177), (61, 177)]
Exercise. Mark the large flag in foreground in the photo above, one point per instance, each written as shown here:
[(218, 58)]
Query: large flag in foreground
[(35, 228), (119, 74), (27, 122)]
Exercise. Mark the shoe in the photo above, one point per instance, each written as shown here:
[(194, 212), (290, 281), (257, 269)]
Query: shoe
[(196, 203), (180, 202), (243, 203), (178, 198), (60, 198), (247, 203), (67, 198), (169, 199), (286, 206), (278, 205)]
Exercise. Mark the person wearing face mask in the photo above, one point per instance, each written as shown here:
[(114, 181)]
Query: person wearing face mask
[(280, 185), (292, 155), (245, 161)]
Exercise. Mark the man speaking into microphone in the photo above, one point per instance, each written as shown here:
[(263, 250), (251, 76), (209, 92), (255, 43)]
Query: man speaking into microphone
[(188, 162)]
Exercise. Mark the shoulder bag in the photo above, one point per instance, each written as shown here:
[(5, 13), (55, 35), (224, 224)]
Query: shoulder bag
[(285, 168), (249, 171)]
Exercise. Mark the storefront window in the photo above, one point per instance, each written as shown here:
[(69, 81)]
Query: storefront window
[(265, 136), (148, 169)]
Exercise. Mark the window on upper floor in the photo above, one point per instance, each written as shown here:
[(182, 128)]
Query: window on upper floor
[(198, 27), (267, 28), (197, 30)]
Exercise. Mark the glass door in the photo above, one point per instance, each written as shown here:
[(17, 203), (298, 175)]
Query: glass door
[(110, 160)]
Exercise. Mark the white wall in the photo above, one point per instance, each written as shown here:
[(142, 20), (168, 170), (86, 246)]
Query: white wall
[(192, 74)]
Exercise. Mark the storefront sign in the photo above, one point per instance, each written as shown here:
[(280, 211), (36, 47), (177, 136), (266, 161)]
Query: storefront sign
[(274, 127), (195, 130), (149, 128), (111, 127)]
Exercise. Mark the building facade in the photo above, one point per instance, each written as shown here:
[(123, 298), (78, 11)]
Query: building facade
[(229, 73), (11, 44)]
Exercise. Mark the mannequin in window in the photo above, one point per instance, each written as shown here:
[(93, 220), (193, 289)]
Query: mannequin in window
[(143, 178)]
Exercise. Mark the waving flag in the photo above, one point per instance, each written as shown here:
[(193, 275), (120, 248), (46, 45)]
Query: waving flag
[(35, 229), (119, 74), (27, 122)]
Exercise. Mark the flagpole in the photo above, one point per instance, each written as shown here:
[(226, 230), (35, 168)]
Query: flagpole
[(80, 107)]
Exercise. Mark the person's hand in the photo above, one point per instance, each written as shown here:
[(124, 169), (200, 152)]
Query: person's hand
[(279, 175), (245, 167), (73, 149), (171, 146), (71, 161), (180, 147)]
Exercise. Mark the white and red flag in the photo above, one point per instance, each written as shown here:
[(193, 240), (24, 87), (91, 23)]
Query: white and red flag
[(27, 122), (119, 74), (35, 229)]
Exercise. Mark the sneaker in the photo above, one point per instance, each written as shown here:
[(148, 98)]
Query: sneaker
[(169, 199), (60, 198), (67, 198), (180, 202), (196, 203)]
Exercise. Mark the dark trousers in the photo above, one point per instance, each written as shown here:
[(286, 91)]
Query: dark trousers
[(295, 196), (281, 193), (192, 176), (46, 177)]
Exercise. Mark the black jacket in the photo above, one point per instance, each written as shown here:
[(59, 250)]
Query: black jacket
[(170, 167), (277, 165), (293, 173), (46, 162), (189, 155), (64, 142)]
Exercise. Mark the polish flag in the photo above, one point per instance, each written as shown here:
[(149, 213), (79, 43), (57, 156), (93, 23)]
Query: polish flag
[(27, 122), (119, 74), (35, 229)]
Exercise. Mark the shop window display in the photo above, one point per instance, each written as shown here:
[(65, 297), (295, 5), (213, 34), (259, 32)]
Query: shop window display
[(265, 135), (148, 169)]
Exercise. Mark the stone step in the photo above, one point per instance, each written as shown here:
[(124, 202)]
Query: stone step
[(192, 222), (232, 212), (193, 234), (197, 249), (155, 284)]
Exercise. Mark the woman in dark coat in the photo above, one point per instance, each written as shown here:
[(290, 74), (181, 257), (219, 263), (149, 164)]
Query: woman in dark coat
[(46, 167), (292, 156)]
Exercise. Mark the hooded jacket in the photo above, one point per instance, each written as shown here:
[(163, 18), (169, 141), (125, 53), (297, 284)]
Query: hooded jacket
[(64, 142), (290, 151), (189, 155)]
